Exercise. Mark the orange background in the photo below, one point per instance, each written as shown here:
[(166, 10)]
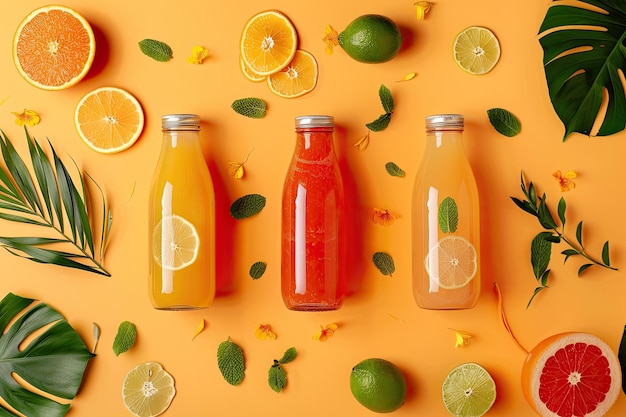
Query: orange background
[(379, 318)]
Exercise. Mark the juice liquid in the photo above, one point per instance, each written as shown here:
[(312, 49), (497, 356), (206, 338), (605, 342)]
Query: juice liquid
[(182, 227), (312, 228), (446, 218)]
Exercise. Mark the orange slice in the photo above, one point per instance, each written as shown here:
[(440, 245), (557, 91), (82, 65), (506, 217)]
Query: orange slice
[(248, 73), (268, 42), (452, 263), (109, 119), (297, 78), (54, 47)]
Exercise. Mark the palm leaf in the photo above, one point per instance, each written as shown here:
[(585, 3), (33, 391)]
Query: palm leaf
[(53, 362), (51, 200), (584, 53)]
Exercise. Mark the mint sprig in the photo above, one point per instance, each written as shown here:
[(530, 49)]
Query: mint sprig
[(276, 376), (157, 50), (252, 107), (504, 122), (541, 245), (384, 262), (125, 337), (386, 99)]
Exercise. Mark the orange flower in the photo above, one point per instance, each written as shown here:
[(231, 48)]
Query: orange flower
[(565, 180), (264, 332), (27, 117), (325, 332), (331, 39), (384, 217)]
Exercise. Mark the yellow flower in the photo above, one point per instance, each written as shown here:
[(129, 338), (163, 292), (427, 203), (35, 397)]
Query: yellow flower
[(363, 143), (198, 54), (565, 180), (236, 168), (422, 7), (462, 338), (331, 39), (325, 332), (264, 331), (384, 217), (27, 117)]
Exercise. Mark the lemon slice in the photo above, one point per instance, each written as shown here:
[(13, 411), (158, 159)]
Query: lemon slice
[(248, 73), (451, 262), (476, 50), (176, 243), (148, 390), (468, 390), (297, 78)]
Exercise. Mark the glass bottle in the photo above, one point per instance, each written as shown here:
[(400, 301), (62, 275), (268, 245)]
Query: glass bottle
[(312, 220), (446, 220), (181, 220)]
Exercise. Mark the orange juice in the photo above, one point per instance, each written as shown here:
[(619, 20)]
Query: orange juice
[(181, 221), (446, 227)]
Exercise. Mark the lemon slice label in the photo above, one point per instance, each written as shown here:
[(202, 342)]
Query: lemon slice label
[(452, 262), (175, 243)]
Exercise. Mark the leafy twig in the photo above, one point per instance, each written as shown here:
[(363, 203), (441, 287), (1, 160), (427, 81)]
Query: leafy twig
[(541, 245), (51, 200)]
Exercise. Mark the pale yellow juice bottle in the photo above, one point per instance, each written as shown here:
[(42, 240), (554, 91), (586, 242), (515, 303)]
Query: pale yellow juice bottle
[(446, 220), (181, 220)]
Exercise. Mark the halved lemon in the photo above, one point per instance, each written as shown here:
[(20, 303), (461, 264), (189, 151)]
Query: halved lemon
[(109, 119), (175, 243), (452, 262), (297, 78), (476, 50), (148, 390), (268, 42)]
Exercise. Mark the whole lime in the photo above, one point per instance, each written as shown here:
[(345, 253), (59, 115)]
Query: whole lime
[(378, 385), (371, 38)]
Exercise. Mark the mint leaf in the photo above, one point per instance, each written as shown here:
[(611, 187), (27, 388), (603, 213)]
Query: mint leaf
[(448, 215), (247, 206), (394, 170), (125, 337), (288, 356), (277, 377), (384, 262), (257, 270), (250, 107), (540, 251), (379, 124), (504, 122), (230, 361), (157, 50), (386, 99)]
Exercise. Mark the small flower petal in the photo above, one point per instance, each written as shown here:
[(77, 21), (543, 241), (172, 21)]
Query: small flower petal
[(198, 54), (408, 77), (331, 39), (363, 143), (384, 217), (565, 181), (27, 117), (264, 332), (422, 7), (325, 332), (462, 338)]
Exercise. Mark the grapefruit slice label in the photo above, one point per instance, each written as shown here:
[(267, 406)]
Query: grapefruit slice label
[(575, 380)]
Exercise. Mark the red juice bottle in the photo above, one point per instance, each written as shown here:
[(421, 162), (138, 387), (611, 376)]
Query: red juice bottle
[(312, 221)]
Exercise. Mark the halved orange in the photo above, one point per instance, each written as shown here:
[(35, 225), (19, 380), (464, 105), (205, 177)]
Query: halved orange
[(297, 78), (247, 72), (268, 42), (109, 119), (54, 47)]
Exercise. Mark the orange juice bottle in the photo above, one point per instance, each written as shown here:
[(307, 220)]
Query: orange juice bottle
[(312, 220), (181, 220), (446, 220)]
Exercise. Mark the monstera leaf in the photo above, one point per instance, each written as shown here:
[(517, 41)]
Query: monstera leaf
[(584, 54), (53, 361)]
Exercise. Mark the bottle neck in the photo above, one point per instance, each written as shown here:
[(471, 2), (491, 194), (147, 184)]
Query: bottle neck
[(314, 144), (173, 139), (445, 139)]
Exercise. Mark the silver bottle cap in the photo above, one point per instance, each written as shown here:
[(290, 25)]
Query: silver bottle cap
[(444, 122), (180, 122), (315, 121)]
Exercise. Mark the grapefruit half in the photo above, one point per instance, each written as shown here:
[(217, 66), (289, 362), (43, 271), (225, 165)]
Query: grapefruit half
[(571, 375)]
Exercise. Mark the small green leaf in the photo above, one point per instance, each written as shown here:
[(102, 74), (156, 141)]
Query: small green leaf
[(125, 337), (247, 206), (394, 170), (561, 210), (621, 355), (257, 269), (579, 233), (156, 50), (544, 278), (386, 99), (545, 217), (583, 268), (540, 251), (252, 107), (96, 337), (537, 291), (568, 253), (230, 361), (379, 124), (448, 215), (524, 205), (504, 122), (605, 254), (289, 355), (277, 377), (384, 262)]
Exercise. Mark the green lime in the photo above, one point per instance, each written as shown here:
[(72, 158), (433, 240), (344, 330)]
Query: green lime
[(378, 385), (468, 391), (371, 38)]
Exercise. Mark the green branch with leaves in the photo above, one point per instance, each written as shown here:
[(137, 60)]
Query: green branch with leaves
[(541, 245), (52, 202)]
